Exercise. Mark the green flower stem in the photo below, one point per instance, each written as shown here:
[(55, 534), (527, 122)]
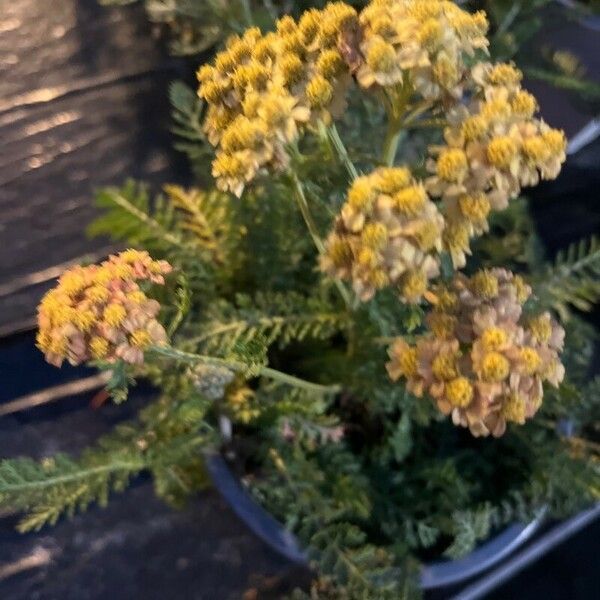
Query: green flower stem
[(390, 143), (306, 214), (240, 367), (343, 155), (398, 122), (314, 232), (416, 113)]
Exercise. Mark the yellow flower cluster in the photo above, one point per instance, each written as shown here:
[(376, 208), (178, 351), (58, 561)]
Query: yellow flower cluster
[(493, 147), (418, 45), (263, 88), (240, 403), (100, 312), (388, 233), (481, 360)]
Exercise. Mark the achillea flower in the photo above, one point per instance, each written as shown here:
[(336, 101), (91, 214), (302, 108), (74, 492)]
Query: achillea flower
[(240, 403), (100, 312), (493, 147), (388, 233), (420, 45), (482, 361), (262, 90)]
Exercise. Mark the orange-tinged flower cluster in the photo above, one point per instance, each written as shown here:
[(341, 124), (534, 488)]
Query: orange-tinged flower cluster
[(419, 45), (99, 312), (494, 146), (263, 89), (482, 360), (388, 233)]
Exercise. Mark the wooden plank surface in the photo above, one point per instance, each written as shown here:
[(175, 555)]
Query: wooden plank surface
[(82, 104)]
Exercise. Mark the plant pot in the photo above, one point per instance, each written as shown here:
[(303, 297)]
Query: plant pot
[(434, 575)]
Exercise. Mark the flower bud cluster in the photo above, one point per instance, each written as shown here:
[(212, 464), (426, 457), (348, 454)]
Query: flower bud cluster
[(493, 147), (482, 360), (388, 233), (99, 311), (420, 45), (262, 89)]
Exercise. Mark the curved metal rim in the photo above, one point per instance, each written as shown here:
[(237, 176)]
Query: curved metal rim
[(443, 573), (434, 575), (258, 520)]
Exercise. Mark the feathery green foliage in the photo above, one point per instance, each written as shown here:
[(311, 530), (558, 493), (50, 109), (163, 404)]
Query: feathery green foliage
[(130, 215), (574, 278), (165, 441), (277, 317), (187, 111), (61, 485)]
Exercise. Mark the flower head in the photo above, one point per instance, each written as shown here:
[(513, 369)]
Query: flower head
[(99, 312), (388, 233), (481, 361), (493, 147), (262, 90), (418, 45)]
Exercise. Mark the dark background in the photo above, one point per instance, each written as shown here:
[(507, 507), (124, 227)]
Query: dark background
[(83, 104)]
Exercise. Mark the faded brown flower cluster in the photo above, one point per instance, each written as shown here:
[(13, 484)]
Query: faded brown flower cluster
[(493, 147), (482, 360), (388, 233), (99, 312), (262, 89)]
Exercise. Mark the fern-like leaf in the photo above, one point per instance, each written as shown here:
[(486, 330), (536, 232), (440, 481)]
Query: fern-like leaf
[(585, 87), (574, 278), (129, 215), (276, 317), (471, 526), (187, 113), (208, 217), (61, 485), (164, 441)]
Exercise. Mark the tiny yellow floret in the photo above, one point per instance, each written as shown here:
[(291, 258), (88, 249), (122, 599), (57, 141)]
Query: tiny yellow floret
[(531, 360), (485, 284), (501, 151), (494, 338), (513, 409), (459, 392), (408, 362), (319, 91), (495, 367), (444, 366), (114, 314), (452, 164)]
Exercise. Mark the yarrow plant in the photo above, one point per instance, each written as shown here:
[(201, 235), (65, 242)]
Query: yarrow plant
[(320, 250)]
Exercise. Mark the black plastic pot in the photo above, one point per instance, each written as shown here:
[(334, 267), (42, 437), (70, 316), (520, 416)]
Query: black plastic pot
[(434, 575)]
